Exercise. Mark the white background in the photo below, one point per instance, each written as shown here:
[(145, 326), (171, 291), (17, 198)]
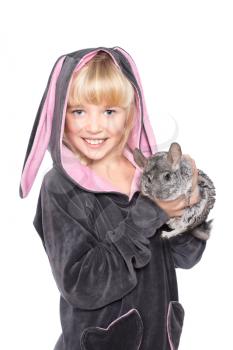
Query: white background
[(184, 53)]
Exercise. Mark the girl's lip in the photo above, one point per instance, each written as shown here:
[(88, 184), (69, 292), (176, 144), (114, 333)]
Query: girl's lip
[(101, 138)]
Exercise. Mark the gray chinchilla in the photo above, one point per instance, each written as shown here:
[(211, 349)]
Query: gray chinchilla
[(168, 175)]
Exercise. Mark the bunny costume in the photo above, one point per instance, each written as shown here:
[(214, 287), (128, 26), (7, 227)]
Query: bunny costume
[(116, 276)]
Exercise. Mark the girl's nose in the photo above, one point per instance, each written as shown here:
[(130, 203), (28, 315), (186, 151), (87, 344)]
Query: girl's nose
[(94, 124)]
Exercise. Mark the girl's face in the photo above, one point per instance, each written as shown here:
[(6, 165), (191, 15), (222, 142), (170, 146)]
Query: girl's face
[(99, 124)]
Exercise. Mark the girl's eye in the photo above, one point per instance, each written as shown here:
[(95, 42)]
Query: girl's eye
[(110, 110), (77, 111)]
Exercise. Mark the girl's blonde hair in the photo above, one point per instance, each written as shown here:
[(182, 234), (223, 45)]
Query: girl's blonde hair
[(101, 81)]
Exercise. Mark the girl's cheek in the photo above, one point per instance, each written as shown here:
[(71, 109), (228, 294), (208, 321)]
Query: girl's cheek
[(115, 128), (72, 125), (114, 123)]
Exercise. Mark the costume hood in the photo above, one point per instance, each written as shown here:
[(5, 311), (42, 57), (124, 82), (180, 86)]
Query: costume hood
[(47, 131)]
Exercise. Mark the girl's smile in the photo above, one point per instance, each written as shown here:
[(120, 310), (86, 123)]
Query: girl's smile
[(95, 143)]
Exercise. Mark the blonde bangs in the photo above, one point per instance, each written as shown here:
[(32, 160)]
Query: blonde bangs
[(100, 81)]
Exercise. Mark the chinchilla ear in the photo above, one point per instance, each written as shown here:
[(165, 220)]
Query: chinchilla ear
[(174, 155), (139, 158)]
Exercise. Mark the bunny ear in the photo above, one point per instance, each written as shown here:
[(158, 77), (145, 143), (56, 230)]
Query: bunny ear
[(41, 131)]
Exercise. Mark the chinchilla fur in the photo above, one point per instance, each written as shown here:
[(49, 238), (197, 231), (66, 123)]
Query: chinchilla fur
[(168, 175)]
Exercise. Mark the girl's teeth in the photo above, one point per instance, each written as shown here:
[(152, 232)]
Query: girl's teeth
[(94, 142)]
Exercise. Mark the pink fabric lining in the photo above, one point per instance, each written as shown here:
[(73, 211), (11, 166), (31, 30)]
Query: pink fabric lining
[(148, 128), (87, 178)]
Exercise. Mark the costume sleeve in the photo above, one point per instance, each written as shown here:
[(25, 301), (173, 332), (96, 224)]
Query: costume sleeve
[(91, 273), (186, 250)]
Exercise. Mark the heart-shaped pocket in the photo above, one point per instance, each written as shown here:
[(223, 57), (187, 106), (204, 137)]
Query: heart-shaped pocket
[(125, 332)]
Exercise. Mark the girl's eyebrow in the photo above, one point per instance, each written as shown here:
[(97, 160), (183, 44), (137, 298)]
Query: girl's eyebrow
[(74, 106), (81, 106)]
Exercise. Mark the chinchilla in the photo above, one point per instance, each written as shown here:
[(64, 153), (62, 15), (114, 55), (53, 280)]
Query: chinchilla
[(168, 175)]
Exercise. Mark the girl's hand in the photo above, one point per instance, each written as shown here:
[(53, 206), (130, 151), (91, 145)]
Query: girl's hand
[(177, 206)]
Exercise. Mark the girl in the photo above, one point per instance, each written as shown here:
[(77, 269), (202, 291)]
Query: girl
[(115, 274)]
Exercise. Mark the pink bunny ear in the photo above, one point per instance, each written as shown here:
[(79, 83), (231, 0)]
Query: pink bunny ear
[(41, 131)]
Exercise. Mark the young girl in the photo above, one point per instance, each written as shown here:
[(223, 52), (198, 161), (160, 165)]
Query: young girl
[(115, 274)]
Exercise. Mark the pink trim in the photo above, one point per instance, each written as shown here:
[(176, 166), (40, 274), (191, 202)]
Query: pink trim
[(42, 136), (117, 319), (169, 336)]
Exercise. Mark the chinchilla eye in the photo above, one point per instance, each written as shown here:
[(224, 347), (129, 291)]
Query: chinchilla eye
[(149, 177), (167, 177)]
